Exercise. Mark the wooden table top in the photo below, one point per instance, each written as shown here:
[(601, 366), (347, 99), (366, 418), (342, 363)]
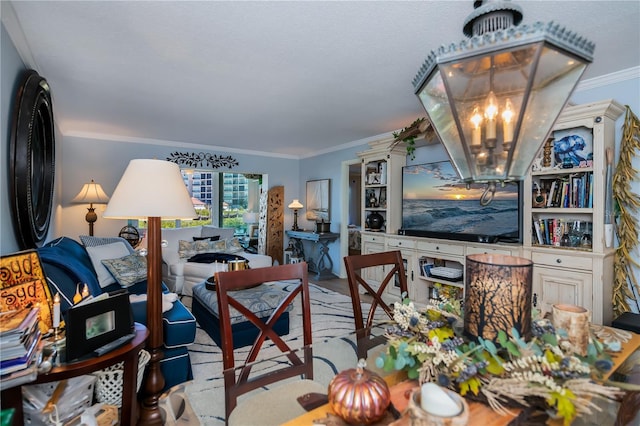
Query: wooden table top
[(480, 414)]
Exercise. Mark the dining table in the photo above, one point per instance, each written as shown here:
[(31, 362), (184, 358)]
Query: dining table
[(335, 354)]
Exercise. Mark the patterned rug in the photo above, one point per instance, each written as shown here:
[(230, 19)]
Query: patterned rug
[(332, 315)]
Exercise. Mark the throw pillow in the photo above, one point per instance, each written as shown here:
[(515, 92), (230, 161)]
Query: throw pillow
[(127, 270), (215, 238), (106, 251), (234, 246), (186, 249), (91, 241), (217, 246)]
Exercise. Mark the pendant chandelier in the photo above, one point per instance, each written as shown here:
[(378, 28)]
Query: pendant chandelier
[(494, 97)]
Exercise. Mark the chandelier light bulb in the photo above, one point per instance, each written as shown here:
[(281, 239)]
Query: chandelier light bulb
[(491, 112), (507, 121), (476, 120)]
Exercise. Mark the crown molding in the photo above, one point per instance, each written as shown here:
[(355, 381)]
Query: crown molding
[(605, 80)]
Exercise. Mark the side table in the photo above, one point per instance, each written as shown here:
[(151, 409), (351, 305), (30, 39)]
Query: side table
[(319, 262), (128, 353)]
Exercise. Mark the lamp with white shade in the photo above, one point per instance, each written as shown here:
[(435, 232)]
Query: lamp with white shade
[(295, 206), (151, 190), (89, 194)]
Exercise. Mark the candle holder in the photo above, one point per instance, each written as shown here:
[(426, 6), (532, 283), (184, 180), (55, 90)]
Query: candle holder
[(497, 295), (420, 417)]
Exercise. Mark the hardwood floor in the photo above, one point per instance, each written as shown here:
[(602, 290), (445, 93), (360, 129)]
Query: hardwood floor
[(340, 285)]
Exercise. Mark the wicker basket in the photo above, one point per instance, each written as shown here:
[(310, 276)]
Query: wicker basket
[(108, 388)]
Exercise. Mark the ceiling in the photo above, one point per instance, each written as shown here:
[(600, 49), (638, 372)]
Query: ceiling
[(283, 78)]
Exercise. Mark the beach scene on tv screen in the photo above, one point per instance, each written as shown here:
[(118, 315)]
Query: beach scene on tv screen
[(435, 200)]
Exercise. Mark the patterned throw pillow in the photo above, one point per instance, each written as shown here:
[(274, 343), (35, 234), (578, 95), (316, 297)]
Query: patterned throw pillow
[(187, 249), (127, 270), (234, 246), (218, 246), (102, 252)]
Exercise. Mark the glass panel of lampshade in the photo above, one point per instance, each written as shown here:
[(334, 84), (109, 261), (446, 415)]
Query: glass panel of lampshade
[(488, 95)]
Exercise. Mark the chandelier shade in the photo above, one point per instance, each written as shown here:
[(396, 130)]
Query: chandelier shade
[(493, 99)]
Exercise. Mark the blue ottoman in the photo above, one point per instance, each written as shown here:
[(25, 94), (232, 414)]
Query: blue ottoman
[(261, 300)]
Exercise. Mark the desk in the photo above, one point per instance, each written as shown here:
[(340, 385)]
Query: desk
[(319, 261), (128, 353)]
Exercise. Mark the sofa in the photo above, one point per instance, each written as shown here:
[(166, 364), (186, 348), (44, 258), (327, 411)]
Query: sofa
[(66, 263), (182, 244)]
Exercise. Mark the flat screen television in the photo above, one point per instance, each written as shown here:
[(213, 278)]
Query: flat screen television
[(435, 204)]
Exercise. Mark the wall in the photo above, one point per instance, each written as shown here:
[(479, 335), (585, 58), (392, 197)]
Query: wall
[(104, 161), (12, 67)]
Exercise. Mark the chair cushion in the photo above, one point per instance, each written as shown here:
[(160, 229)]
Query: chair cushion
[(281, 400), (260, 300)]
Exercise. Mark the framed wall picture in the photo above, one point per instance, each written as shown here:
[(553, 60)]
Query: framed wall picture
[(573, 147), (318, 200)]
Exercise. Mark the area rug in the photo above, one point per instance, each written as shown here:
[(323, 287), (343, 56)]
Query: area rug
[(332, 315)]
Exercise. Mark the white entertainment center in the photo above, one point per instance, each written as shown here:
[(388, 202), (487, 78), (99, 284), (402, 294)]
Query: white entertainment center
[(579, 274)]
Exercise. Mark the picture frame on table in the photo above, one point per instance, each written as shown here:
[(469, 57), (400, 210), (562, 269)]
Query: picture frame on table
[(93, 324), (253, 231)]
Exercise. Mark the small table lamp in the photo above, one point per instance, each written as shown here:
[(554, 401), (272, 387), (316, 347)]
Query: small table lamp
[(91, 193), (151, 189), (295, 206)]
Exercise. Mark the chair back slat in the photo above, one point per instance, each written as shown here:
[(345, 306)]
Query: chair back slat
[(356, 265), (239, 380)]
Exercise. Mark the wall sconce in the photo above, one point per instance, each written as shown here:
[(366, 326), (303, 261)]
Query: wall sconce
[(494, 98), (497, 295), (91, 193), (295, 206)]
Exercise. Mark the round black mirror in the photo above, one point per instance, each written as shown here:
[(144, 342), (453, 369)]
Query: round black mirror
[(32, 160)]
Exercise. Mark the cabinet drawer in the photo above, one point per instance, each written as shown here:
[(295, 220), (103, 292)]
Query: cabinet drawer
[(400, 243), (487, 250), (563, 260), (369, 238), (441, 248)]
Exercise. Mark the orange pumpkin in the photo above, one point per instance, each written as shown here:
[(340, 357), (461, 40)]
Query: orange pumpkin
[(358, 395)]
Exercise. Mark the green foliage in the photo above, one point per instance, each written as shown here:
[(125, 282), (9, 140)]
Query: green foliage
[(424, 345)]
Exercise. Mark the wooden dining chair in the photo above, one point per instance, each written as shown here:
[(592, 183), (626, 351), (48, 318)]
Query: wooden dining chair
[(394, 273), (277, 404)]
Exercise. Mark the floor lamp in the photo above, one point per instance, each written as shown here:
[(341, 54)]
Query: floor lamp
[(151, 190)]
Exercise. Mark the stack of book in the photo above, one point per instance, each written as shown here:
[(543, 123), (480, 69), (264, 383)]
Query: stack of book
[(19, 345)]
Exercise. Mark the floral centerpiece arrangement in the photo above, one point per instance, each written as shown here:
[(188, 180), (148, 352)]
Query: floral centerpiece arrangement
[(541, 372)]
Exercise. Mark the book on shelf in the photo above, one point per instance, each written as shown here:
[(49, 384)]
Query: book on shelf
[(10, 365), (19, 377)]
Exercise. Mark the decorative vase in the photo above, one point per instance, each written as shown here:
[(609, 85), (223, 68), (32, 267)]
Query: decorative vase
[(375, 221), (575, 321), (497, 295), (358, 395)]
